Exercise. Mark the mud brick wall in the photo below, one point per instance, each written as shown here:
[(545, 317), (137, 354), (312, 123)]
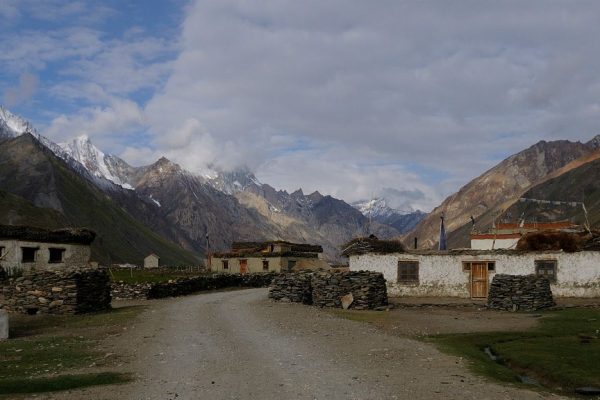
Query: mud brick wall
[(63, 292), (325, 289), (185, 286), (520, 292), (292, 287)]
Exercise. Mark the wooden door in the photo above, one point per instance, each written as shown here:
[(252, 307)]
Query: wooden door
[(243, 267), (479, 280)]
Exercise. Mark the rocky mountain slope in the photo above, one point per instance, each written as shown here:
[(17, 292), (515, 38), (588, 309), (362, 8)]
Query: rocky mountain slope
[(185, 207), (486, 196), (41, 189)]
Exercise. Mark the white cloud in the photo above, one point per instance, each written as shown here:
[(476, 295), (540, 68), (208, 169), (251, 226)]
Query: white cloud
[(28, 84)]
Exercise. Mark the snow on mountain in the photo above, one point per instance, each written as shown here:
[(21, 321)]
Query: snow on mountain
[(377, 208), (12, 125), (94, 160)]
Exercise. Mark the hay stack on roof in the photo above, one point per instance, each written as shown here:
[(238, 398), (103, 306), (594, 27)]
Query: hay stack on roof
[(371, 245), (34, 234), (551, 240)]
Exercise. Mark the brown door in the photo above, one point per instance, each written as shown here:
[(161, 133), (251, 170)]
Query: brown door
[(479, 280), (243, 267)]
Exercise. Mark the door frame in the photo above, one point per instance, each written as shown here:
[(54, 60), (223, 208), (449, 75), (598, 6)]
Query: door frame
[(244, 262), (486, 279)]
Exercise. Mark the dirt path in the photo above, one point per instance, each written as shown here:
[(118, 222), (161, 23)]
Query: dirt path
[(237, 345)]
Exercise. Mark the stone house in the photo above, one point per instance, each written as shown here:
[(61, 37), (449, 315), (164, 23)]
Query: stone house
[(151, 261), (31, 248), (468, 273), (275, 256)]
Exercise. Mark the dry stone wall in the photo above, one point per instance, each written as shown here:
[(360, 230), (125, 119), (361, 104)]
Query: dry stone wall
[(61, 292), (130, 291), (326, 289), (520, 292), (185, 286)]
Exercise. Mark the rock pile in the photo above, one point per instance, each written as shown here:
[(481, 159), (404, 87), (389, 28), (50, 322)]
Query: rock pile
[(326, 289), (520, 292), (368, 289), (61, 292), (130, 291), (185, 286), (292, 287)]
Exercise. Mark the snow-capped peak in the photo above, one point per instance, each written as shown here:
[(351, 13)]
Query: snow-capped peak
[(93, 159), (13, 125), (377, 207)]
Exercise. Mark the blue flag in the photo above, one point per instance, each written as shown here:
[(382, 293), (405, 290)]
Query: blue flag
[(442, 245)]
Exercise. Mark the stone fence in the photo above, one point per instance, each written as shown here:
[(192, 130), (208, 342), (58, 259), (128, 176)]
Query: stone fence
[(359, 290), (185, 286), (520, 292), (62, 292), (130, 291)]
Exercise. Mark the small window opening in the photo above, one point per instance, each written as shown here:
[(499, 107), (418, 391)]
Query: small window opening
[(408, 272), (225, 264), (546, 268), (56, 255), (491, 266), (265, 265), (28, 254)]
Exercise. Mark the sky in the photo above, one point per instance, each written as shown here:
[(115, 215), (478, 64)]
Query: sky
[(358, 99)]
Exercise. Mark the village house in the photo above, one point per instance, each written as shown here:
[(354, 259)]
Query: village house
[(151, 261), (275, 256), (26, 248), (468, 273)]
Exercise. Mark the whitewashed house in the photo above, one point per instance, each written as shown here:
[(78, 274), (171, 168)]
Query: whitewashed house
[(468, 273), (151, 261)]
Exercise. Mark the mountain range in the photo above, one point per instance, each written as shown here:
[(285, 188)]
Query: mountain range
[(161, 207), (494, 195)]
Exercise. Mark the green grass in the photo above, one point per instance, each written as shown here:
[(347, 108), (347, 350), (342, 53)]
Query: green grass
[(148, 276), (553, 353), (63, 382), (48, 353)]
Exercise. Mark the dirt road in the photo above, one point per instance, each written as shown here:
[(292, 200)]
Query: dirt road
[(237, 345)]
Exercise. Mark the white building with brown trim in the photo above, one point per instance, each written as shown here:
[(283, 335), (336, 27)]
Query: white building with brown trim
[(262, 257), (24, 247), (468, 273)]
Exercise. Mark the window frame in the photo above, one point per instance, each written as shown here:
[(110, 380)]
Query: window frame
[(265, 265), (551, 278), (60, 250), (29, 248), (466, 265), (415, 274), (225, 264)]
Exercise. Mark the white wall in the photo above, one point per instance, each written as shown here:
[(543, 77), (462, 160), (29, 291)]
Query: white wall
[(75, 255), (486, 244), (578, 274)]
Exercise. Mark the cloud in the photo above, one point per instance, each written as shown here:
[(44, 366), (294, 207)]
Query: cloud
[(27, 86)]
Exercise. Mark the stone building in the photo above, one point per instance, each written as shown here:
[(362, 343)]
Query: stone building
[(468, 273), (27, 248), (275, 256), (151, 261)]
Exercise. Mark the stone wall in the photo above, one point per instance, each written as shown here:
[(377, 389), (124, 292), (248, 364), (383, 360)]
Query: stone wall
[(185, 286), (130, 291), (520, 292), (61, 292), (326, 289), (292, 287)]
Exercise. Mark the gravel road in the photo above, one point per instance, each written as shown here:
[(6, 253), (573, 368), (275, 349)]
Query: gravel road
[(238, 345)]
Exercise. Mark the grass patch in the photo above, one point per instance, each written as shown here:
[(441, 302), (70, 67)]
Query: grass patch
[(48, 352), (562, 352), (149, 276), (63, 382)]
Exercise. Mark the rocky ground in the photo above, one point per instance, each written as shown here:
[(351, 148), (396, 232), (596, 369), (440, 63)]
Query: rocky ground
[(238, 345)]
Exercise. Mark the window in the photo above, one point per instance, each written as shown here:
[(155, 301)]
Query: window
[(491, 265), (56, 255), (408, 272), (291, 264), (28, 254), (265, 265), (546, 268), (225, 264)]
